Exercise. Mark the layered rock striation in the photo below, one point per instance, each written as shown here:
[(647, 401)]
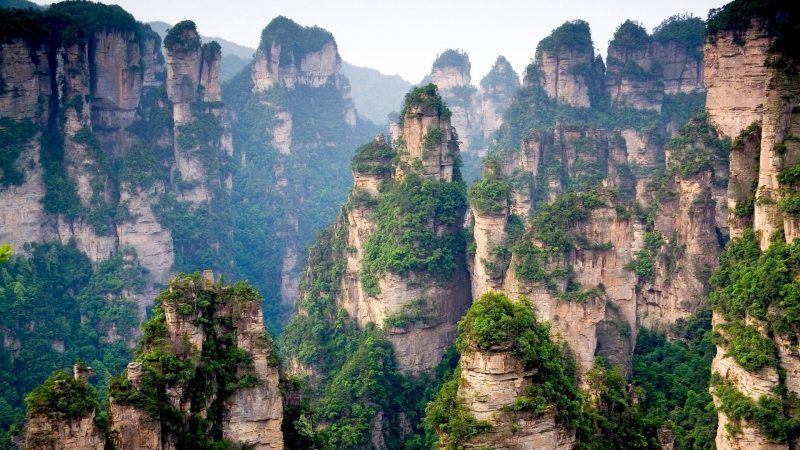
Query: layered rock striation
[(753, 93)]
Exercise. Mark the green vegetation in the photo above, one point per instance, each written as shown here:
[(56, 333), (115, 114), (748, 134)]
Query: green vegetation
[(425, 97), (67, 22), (746, 345), (177, 36), (452, 58), (494, 321), (15, 137), (761, 285), (59, 311), (447, 415), (697, 147), (404, 240), (767, 413), (62, 397), (606, 419), (375, 158), (685, 30), (574, 35), (643, 264), (358, 374), (673, 376), (491, 194), (630, 36), (6, 252), (501, 79), (295, 41), (207, 378), (615, 420), (317, 171), (778, 17)]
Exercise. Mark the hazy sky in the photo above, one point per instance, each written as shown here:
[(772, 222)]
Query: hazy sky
[(403, 37)]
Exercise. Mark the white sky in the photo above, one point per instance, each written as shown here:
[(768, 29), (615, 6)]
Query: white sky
[(403, 37)]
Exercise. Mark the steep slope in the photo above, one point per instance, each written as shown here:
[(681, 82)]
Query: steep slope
[(750, 50), (589, 209), (294, 114), (387, 282), (235, 57), (477, 112), (205, 374)]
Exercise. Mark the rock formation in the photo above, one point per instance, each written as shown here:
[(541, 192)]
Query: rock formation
[(753, 93), (90, 102), (605, 226), (497, 89), (296, 82), (205, 367), (50, 425), (420, 311)]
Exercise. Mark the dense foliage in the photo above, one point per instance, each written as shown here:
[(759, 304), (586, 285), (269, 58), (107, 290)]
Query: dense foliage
[(176, 36), (15, 137), (425, 97), (683, 29), (574, 35), (375, 158), (452, 58), (697, 147), (630, 36), (673, 376), (404, 240), (62, 310), (62, 397), (294, 40), (207, 378)]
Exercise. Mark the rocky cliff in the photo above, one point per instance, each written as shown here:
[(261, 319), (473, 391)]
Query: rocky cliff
[(608, 239), (420, 311), (294, 112), (605, 218), (95, 111), (205, 373), (476, 111), (61, 414), (497, 89), (753, 92)]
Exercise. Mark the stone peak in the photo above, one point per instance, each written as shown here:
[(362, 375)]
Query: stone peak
[(574, 35), (183, 37), (502, 74), (300, 39)]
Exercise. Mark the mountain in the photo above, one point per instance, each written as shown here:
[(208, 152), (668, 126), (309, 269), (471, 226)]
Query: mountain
[(623, 272), (234, 56), (22, 4)]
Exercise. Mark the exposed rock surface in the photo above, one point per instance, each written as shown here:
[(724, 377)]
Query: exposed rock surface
[(754, 102), (490, 384), (251, 415), (439, 304)]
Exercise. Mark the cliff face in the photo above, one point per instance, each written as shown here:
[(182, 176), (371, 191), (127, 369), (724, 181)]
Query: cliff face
[(419, 311), (753, 88), (638, 217), (303, 110), (496, 92), (249, 413), (490, 383), (735, 77), (193, 89), (451, 74), (90, 102)]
